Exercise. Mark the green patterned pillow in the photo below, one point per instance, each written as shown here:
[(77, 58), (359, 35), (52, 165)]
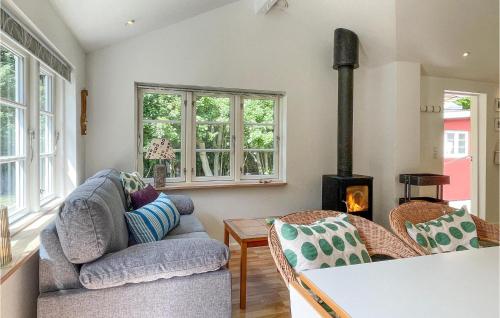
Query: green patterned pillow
[(451, 232), (332, 241), (131, 182)]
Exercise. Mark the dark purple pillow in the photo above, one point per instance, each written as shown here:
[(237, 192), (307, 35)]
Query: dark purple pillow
[(142, 197)]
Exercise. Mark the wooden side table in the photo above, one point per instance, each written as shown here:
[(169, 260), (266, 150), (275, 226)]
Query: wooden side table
[(248, 233)]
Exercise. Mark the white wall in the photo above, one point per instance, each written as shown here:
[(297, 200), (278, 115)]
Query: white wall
[(432, 134), (386, 131), (287, 50), (19, 292)]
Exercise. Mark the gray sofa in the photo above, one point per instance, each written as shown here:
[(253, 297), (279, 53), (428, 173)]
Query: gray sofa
[(88, 269)]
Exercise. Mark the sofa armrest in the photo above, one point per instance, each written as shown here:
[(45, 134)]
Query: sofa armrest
[(183, 203), (152, 261)]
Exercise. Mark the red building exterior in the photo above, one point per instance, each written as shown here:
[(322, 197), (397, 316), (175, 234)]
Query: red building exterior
[(457, 162)]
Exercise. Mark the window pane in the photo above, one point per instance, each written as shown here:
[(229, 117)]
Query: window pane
[(258, 163), (258, 137), (461, 144), (11, 185), (172, 132), (258, 133), (162, 106), (258, 111), (173, 166), (213, 132), (210, 164), (213, 136), (46, 134), (10, 75), (45, 92), (46, 177), (11, 131), (212, 108)]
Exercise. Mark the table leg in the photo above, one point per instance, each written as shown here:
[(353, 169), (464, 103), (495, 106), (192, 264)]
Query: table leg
[(243, 276), (226, 241), (226, 236)]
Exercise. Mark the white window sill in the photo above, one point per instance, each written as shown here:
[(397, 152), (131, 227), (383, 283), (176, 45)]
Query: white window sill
[(25, 236), (221, 184), (29, 218)]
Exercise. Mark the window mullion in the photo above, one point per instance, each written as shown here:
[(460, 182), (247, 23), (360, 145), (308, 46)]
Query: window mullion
[(238, 134), (277, 138), (34, 136), (140, 132), (189, 130)]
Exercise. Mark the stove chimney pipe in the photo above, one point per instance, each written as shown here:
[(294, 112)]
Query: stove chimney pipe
[(345, 60)]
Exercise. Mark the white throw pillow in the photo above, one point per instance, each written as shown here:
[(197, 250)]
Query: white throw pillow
[(451, 232), (328, 242)]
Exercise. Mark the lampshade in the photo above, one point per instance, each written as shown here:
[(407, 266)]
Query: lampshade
[(160, 148)]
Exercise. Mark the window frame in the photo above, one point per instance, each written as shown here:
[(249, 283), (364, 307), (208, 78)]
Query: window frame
[(193, 148), (456, 134), (53, 135), (188, 126), (33, 204), (142, 121), (277, 139), (22, 153)]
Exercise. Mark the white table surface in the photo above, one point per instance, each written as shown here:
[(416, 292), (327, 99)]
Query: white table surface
[(458, 284)]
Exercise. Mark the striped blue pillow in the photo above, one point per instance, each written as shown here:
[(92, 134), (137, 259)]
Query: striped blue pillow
[(153, 221)]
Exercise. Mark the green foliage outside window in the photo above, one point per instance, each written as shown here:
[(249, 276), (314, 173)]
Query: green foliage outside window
[(464, 102), (258, 134), (162, 107), (213, 133)]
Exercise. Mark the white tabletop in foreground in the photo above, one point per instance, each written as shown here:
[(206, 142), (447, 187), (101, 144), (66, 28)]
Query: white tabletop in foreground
[(458, 284)]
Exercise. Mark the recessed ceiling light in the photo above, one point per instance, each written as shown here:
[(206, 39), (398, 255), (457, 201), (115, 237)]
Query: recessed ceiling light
[(130, 22), (465, 54)]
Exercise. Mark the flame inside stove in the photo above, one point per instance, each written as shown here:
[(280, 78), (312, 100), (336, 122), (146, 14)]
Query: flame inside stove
[(357, 198)]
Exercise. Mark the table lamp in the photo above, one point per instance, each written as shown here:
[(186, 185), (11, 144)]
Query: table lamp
[(160, 149)]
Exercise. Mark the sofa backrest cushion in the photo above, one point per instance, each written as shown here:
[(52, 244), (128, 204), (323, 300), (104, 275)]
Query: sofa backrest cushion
[(114, 176), (55, 271), (92, 222)]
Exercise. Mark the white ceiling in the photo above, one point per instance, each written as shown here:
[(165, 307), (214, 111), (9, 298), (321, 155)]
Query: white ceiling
[(437, 32), (434, 33), (99, 23)]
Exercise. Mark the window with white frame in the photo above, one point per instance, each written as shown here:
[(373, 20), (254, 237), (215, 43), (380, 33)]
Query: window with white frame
[(456, 144), (13, 111), (27, 173), (47, 136), (224, 136)]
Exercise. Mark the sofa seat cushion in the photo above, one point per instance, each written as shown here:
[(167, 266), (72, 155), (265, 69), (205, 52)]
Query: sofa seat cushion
[(203, 235), (152, 261), (91, 222), (188, 224)]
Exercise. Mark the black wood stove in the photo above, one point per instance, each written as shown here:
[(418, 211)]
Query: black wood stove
[(345, 191)]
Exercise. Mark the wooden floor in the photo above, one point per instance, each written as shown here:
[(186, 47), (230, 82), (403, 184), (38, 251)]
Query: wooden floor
[(267, 295)]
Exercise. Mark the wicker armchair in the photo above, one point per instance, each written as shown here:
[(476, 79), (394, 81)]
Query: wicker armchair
[(378, 240), (418, 212)]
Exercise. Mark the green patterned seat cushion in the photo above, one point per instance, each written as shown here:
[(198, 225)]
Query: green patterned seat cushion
[(451, 232), (328, 242), (131, 182)]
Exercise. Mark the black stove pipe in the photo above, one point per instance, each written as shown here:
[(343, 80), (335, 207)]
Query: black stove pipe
[(345, 60)]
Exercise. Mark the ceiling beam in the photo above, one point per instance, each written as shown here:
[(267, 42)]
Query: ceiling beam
[(263, 6)]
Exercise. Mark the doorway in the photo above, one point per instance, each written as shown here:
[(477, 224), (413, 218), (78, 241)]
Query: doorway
[(460, 149)]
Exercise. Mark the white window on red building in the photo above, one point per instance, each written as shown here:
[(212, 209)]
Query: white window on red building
[(456, 144)]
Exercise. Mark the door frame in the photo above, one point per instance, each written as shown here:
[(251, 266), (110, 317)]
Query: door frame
[(477, 149)]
